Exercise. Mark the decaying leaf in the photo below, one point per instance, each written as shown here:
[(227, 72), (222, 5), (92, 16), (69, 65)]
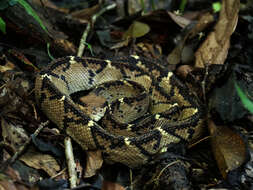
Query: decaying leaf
[(23, 58), (149, 48), (107, 185), (180, 20), (14, 136), (137, 29), (7, 67), (11, 180), (93, 163), (41, 161), (86, 14), (215, 48), (228, 147), (184, 52), (10, 185)]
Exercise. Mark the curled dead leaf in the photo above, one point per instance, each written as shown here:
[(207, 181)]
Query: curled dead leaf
[(228, 147), (107, 185), (42, 161), (184, 70), (13, 135), (215, 48), (180, 20), (93, 163)]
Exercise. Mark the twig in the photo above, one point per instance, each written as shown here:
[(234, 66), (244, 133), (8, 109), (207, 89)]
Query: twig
[(199, 141), (86, 31), (22, 148), (58, 174), (203, 83), (131, 179), (157, 178), (35, 112), (71, 162)]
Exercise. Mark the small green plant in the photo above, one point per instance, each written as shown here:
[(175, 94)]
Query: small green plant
[(247, 103), (182, 5), (89, 47), (2, 26), (216, 7)]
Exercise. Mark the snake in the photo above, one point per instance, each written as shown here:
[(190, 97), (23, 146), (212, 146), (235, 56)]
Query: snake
[(133, 109)]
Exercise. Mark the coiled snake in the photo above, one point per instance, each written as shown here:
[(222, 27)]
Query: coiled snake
[(136, 109)]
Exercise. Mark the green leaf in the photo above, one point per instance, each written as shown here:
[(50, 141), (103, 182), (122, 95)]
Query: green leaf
[(89, 47), (48, 51), (216, 7), (136, 29), (31, 12), (248, 104), (2, 26), (182, 5)]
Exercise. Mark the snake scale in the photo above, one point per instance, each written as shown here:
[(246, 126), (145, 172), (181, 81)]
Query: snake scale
[(135, 108)]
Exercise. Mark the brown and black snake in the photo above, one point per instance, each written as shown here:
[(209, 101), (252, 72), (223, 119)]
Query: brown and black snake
[(134, 110)]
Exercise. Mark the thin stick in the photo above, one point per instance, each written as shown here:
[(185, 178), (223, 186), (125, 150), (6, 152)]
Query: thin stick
[(86, 31), (71, 162)]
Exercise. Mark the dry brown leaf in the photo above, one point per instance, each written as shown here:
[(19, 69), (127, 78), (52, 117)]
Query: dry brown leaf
[(107, 185), (228, 147), (8, 66), (7, 182), (204, 21), (86, 14), (175, 56), (184, 52), (14, 136), (94, 163), (180, 20), (40, 161), (183, 70), (19, 55), (66, 45), (154, 50), (215, 48), (10, 185), (7, 185)]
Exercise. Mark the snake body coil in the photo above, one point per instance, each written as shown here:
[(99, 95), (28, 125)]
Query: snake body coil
[(152, 111)]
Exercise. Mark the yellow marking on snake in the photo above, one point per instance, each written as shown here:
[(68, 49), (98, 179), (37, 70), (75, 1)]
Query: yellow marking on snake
[(90, 123), (109, 63), (157, 116), (72, 60), (62, 98), (46, 76), (135, 56), (127, 142)]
